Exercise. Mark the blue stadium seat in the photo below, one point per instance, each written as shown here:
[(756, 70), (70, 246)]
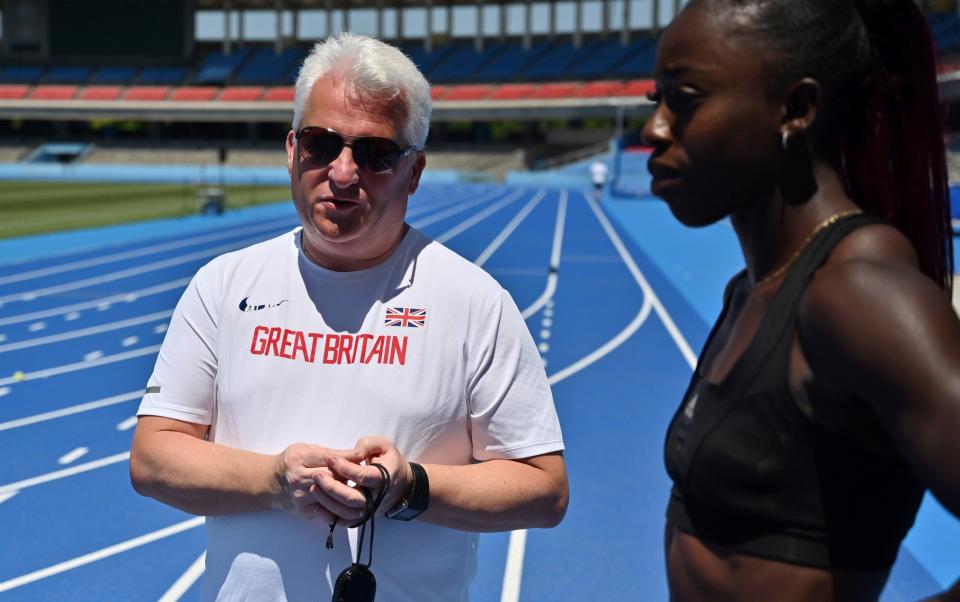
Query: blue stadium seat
[(266, 67), (556, 62), (67, 75), (161, 76), (511, 61), (20, 74), (463, 61), (425, 61), (217, 67), (610, 53), (640, 64), (113, 75)]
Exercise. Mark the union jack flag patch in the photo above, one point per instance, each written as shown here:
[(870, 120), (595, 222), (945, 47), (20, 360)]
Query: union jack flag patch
[(406, 316)]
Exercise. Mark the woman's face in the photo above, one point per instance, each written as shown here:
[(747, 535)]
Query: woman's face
[(715, 132)]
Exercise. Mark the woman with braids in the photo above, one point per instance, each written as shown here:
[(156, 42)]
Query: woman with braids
[(827, 398)]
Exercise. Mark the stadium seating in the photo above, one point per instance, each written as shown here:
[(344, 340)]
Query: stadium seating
[(147, 93), (607, 56), (67, 75), (101, 93), (241, 93), (20, 74), (194, 93), (510, 61), (14, 91), (217, 67), (267, 67), (461, 64), (170, 76), (557, 60), (113, 75), (54, 92)]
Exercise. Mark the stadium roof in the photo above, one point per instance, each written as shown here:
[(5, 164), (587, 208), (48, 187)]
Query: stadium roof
[(334, 4)]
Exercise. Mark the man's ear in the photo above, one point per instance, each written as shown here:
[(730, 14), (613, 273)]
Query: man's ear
[(291, 144), (801, 107), (416, 171)]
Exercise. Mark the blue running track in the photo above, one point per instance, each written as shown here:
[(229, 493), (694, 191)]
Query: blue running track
[(616, 306)]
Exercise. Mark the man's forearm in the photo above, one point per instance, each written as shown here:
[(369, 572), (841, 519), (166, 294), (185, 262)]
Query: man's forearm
[(200, 477), (498, 495)]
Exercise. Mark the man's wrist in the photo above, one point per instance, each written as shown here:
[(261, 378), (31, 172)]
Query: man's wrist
[(415, 501)]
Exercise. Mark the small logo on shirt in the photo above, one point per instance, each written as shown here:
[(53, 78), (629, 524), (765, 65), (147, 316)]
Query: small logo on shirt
[(244, 306), (691, 406), (406, 317)]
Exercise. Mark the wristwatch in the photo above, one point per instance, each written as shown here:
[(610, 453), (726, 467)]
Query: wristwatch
[(417, 499)]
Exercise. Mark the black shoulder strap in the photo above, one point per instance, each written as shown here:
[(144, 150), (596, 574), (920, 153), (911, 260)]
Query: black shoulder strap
[(781, 315)]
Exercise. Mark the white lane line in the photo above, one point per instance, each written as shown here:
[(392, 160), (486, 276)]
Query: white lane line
[(547, 296), (83, 407), (6, 496), (73, 456), (4, 391), (480, 216), (140, 252), (66, 472), (668, 322), (70, 317), (92, 356), (513, 572), (130, 341), (37, 326), (414, 211), (160, 328), (70, 309), (186, 580), (508, 230), (607, 347), (113, 550), (83, 332), (130, 272), (57, 370), (458, 208), (127, 424)]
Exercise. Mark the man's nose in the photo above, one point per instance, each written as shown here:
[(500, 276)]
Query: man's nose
[(343, 169)]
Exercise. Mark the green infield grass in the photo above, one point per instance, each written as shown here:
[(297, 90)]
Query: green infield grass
[(37, 207)]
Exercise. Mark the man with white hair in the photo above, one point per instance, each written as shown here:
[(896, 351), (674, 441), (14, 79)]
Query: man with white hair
[(350, 369)]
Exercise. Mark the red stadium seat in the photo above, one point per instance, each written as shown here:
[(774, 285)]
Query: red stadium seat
[(469, 92), (600, 90), (639, 87), (558, 90), (54, 93), (194, 93), (513, 91), (147, 93), (101, 93), (14, 91), (241, 93), (438, 92), (281, 94)]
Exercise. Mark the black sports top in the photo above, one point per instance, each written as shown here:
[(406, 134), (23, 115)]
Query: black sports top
[(754, 473)]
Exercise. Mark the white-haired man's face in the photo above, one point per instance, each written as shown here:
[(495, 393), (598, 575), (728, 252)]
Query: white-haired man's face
[(352, 215)]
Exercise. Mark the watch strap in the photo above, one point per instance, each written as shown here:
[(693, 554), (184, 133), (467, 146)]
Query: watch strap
[(417, 499)]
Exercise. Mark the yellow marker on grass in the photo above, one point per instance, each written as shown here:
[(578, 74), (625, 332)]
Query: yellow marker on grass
[(19, 375)]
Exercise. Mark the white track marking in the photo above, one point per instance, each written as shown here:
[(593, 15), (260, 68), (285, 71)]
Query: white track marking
[(514, 567), (6, 496), (4, 391), (129, 272), (458, 208), (92, 356), (83, 407), (68, 309), (668, 322), (186, 580), (160, 328), (140, 252), (446, 203), (113, 550), (130, 341), (551, 288), (127, 424), (72, 456), (107, 359), (37, 326), (508, 230), (75, 334), (66, 472), (480, 216)]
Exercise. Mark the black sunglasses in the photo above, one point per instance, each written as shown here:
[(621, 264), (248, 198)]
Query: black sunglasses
[(322, 145)]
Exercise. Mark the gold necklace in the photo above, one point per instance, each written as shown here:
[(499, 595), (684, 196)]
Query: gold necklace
[(793, 258)]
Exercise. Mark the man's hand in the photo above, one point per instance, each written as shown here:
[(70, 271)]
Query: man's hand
[(375, 450), (302, 471)]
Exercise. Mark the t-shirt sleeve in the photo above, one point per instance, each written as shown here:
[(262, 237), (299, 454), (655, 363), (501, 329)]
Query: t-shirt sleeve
[(182, 384), (512, 414)]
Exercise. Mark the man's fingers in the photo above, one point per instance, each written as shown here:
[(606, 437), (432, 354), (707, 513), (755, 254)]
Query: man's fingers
[(364, 476)]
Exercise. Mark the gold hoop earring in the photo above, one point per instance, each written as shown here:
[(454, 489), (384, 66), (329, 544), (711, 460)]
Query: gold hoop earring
[(785, 140)]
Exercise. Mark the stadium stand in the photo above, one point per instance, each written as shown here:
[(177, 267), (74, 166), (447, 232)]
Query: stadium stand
[(67, 75), (21, 74), (511, 61), (170, 76), (218, 68), (607, 56), (147, 93), (194, 93), (54, 92), (113, 75), (267, 67), (555, 62), (461, 64), (241, 93), (101, 93)]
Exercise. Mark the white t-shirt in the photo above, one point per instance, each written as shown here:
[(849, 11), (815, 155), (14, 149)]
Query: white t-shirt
[(599, 172), (426, 349)]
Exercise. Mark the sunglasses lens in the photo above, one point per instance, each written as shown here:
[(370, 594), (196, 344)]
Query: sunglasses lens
[(320, 146), (376, 154)]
